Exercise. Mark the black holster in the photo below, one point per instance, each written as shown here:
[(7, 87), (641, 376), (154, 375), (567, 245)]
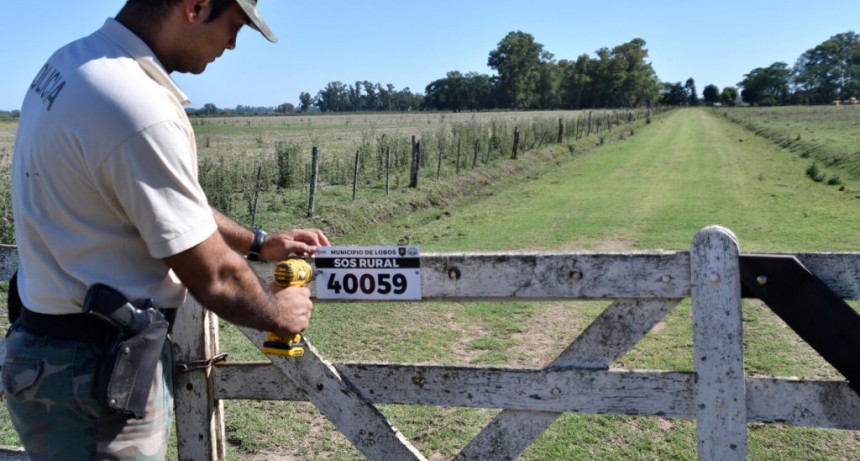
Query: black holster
[(131, 353), (13, 300)]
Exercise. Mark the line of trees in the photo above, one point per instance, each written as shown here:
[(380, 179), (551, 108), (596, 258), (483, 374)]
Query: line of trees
[(677, 94), (824, 74), (528, 77), (362, 96)]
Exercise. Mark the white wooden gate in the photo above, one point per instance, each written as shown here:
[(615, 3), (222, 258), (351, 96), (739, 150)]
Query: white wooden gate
[(644, 287)]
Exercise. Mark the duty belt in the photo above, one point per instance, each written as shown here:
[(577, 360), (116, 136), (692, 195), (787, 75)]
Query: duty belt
[(72, 327)]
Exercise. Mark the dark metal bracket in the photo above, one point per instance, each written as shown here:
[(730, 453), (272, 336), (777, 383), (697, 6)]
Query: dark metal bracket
[(819, 316)]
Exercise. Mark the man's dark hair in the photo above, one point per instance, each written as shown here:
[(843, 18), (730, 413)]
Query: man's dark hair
[(218, 8)]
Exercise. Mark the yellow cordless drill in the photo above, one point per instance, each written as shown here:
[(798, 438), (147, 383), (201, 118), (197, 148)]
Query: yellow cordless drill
[(293, 272)]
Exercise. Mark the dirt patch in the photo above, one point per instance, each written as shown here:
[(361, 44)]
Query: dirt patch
[(460, 349), (272, 456), (548, 334)]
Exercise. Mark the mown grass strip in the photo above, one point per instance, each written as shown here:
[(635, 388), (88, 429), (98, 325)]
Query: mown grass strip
[(654, 190)]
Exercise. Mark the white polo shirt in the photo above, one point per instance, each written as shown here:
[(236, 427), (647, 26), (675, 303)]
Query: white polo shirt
[(104, 176)]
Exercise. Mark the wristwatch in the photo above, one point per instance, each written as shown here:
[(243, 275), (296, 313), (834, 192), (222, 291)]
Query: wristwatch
[(257, 246)]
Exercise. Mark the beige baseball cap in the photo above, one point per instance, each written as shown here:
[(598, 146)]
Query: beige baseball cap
[(250, 8)]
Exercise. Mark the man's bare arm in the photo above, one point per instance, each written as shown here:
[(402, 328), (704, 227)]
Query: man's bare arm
[(224, 283)]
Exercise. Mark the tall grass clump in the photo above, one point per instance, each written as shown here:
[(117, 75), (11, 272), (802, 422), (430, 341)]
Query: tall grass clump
[(217, 179), (289, 164)]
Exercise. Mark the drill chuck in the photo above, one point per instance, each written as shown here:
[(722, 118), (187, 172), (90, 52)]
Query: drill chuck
[(293, 272)]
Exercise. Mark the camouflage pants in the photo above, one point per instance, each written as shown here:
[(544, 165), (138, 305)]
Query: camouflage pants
[(49, 393)]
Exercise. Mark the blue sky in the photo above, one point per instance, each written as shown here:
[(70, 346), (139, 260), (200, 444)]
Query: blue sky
[(410, 44)]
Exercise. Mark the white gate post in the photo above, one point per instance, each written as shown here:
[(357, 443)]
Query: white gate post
[(720, 399), (199, 416)]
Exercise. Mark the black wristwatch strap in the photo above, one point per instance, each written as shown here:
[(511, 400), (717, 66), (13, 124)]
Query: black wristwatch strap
[(257, 246)]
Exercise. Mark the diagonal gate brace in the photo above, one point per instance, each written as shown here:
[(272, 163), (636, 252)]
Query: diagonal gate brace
[(350, 412), (817, 314)]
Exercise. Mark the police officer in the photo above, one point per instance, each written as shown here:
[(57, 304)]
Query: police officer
[(105, 191)]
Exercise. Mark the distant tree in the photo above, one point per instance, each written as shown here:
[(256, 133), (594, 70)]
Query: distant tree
[(547, 95), (635, 82), (674, 94), (518, 60), (617, 77), (333, 98), (286, 108), (693, 97), (458, 92), (306, 101), (829, 71), (576, 80), (853, 86), (729, 96), (711, 95), (437, 95), (602, 80), (9, 115), (766, 86), (208, 109), (355, 99), (249, 110), (478, 90), (386, 100), (405, 100), (370, 98)]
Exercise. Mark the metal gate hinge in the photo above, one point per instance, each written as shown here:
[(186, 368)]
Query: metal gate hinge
[(186, 367)]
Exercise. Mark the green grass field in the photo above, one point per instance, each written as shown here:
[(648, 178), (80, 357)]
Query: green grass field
[(687, 170), (826, 135), (653, 190)]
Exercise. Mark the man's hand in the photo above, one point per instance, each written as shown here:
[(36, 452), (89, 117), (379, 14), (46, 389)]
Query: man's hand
[(277, 246), (294, 308), (298, 242)]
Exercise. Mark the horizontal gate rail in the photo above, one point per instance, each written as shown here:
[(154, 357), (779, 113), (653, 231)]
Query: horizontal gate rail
[(530, 276), (643, 286), (790, 401)]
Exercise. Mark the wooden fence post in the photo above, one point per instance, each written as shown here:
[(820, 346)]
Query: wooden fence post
[(416, 160), (439, 162), (720, 395), (315, 171), (588, 133), (387, 170), (560, 137), (458, 157), (516, 143), (256, 196), (355, 175)]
